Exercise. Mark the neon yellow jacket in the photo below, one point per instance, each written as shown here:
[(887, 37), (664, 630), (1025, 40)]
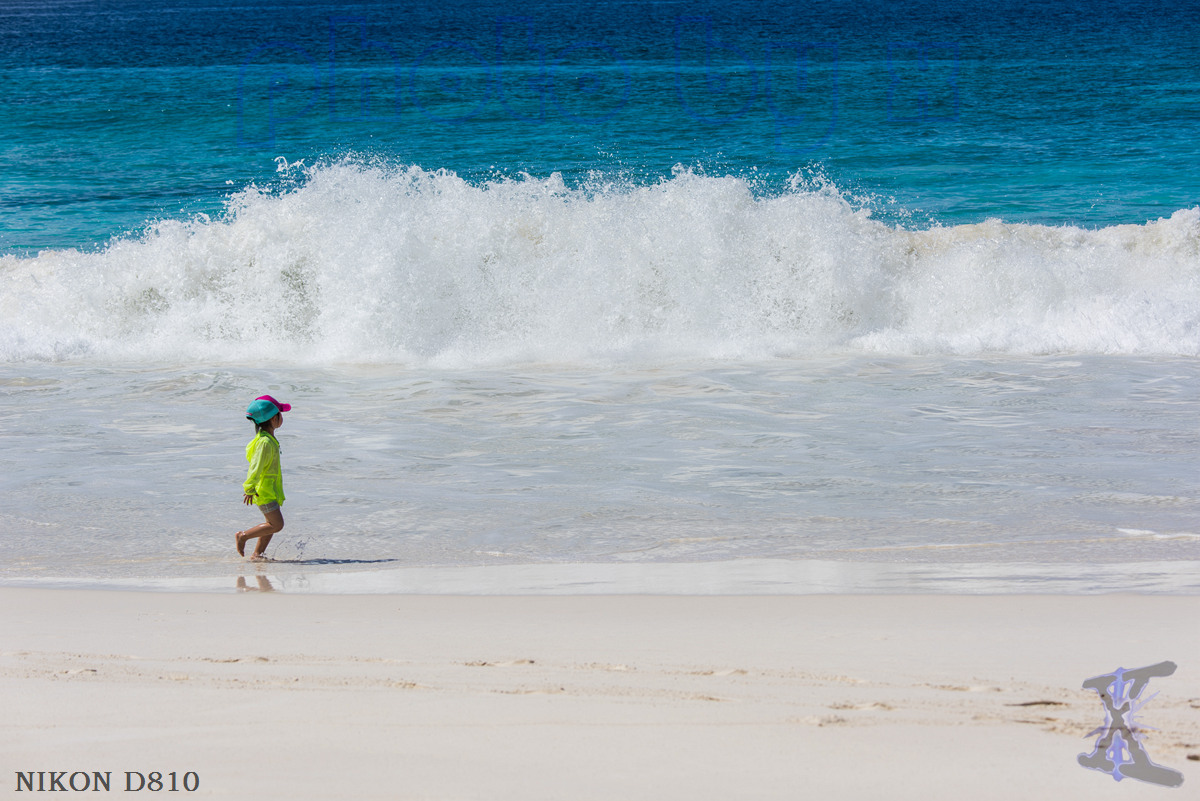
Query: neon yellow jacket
[(264, 480)]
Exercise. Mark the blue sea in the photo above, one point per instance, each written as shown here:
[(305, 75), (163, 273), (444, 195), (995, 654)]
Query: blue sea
[(603, 297)]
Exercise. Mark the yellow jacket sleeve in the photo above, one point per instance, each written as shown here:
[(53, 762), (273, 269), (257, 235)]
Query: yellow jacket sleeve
[(264, 479)]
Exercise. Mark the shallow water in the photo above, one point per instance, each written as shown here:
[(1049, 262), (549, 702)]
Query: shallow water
[(134, 472)]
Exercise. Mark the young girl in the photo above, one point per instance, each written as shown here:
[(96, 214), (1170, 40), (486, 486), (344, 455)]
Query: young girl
[(264, 480)]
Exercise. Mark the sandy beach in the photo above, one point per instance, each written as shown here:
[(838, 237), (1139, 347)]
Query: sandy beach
[(269, 695)]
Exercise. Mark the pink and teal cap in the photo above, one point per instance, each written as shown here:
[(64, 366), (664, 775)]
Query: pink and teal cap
[(283, 407), (264, 408)]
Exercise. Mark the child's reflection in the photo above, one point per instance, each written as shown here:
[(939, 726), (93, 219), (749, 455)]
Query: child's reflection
[(264, 584)]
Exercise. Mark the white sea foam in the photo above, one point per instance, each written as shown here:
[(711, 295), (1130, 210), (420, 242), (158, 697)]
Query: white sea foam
[(373, 263)]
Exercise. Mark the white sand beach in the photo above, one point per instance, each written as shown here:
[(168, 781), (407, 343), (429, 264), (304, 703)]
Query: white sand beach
[(277, 696)]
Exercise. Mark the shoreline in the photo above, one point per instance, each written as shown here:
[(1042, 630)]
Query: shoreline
[(297, 696), (728, 577)]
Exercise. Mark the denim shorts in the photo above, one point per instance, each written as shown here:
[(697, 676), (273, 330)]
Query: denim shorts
[(267, 508)]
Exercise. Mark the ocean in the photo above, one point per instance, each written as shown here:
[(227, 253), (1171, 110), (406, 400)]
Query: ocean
[(604, 297)]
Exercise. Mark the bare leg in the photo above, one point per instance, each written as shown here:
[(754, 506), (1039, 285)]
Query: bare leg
[(262, 532), (263, 542)]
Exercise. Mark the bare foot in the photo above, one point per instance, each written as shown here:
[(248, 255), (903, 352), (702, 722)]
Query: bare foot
[(241, 542), (258, 557)]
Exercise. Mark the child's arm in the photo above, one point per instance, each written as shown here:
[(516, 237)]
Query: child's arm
[(258, 461)]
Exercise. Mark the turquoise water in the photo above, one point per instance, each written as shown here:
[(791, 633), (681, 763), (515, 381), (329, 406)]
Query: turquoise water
[(121, 113)]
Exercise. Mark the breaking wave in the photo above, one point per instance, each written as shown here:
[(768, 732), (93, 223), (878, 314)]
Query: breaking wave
[(357, 262)]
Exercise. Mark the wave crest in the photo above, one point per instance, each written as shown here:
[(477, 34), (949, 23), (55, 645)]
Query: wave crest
[(369, 263)]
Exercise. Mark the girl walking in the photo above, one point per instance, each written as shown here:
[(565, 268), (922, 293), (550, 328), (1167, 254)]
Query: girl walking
[(264, 480)]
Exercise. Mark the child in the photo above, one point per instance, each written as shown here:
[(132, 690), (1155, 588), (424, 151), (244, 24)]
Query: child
[(264, 480)]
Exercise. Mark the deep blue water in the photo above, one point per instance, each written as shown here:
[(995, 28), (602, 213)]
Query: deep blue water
[(119, 113)]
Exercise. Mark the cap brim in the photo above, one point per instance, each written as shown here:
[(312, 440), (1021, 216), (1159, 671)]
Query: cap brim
[(283, 407)]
